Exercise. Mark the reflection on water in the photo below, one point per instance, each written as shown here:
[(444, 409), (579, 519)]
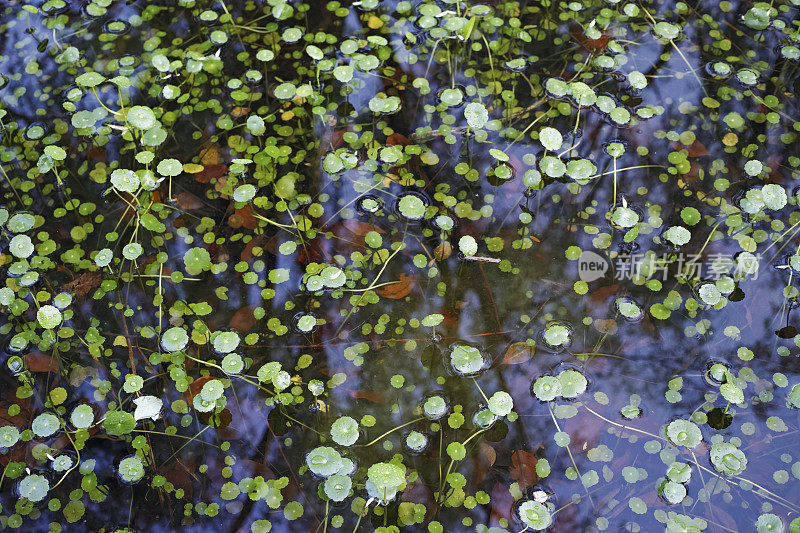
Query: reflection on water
[(399, 258)]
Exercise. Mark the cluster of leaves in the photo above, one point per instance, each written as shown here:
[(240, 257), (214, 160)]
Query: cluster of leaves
[(228, 233)]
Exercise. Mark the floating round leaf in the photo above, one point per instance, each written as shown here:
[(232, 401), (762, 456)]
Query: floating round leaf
[(285, 91), (343, 73), (550, 138), (416, 441), (244, 193), (637, 80), (212, 390), (125, 180), (583, 94), (732, 393), (306, 323), (90, 79), (141, 117), (147, 407), (34, 487), (625, 217), (333, 277), (169, 167), (196, 260), (728, 459), (174, 339), (552, 166), (557, 335), (45, 425), (226, 341), (673, 492), (387, 478), (324, 461), (411, 206), (21, 246), (546, 388), (82, 416), (793, 398), (535, 515), (435, 407), (501, 403), (770, 523), (48, 316), (684, 433), (466, 359), (628, 308), (677, 235), (337, 487), (476, 114), (556, 86), (21, 222), (62, 463), (132, 251), (580, 170), (573, 383), (468, 245), (666, 31), (131, 469), (774, 196), (232, 363), (344, 431), (451, 97), (709, 293), (679, 472), (9, 435)]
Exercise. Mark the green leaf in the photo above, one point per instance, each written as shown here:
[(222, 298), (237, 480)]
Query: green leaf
[(90, 79), (476, 114)]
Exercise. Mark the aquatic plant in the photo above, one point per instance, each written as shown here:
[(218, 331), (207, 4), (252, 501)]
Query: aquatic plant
[(435, 266)]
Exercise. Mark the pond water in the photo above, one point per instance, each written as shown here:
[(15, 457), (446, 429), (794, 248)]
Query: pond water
[(399, 266)]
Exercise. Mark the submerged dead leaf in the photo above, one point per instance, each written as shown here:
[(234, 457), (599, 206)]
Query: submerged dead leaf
[(518, 353), (443, 251), (210, 156), (83, 284), (188, 201), (209, 172), (399, 289), (606, 326), (41, 362), (502, 503), (524, 468), (359, 228), (242, 320), (374, 396), (488, 453)]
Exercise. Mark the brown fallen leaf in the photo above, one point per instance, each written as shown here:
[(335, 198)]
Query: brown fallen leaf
[(524, 468), (373, 396), (517, 353), (488, 453), (209, 172), (242, 320), (188, 201), (606, 326), (41, 362), (360, 228), (502, 504), (210, 156), (246, 217), (83, 284), (443, 251), (399, 289)]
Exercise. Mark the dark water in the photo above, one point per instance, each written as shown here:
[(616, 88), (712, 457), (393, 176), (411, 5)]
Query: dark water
[(525, 277)]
